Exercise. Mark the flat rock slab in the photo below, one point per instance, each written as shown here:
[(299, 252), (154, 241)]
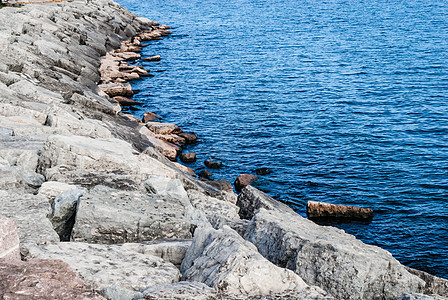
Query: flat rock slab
[(112, 216), (9, 239), (102, 266), (42, 279), (222, 259)]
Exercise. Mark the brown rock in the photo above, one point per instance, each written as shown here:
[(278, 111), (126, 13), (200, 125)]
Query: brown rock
[(326, 210), (169, 150), (150, 116), (205, 174), (221, 184), (166, 32), (128, 55), (263, 171), (126, 101), (212, 164), (163, 128), (42, 279), (171, 138), (151, 35), (188, 157), (117, 89), (244, 180), (131, 117), (185, 169), (152, 58), (9, 239), (190, 138), (164, 27)]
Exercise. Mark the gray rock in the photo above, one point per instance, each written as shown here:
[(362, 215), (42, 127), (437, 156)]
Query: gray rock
[(64, 211), (183, 290), (103, 266), (329, 258), (120, 293), (434, 284), (418, 296), (9, 239), (223, 260), (113, 216)]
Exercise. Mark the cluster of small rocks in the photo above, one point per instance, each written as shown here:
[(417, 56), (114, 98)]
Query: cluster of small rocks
[(93, 207)]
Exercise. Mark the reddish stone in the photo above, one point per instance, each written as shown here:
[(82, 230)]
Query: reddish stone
[(150, 116), (221, 184), (188, 157), (326, 210), (212, 164), (152, 58), (244, 180), (205, 174), (190, 138), (125, 101), (44, 279)]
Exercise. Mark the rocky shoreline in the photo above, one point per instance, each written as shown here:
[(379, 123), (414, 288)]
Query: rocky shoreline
[(92, 205)]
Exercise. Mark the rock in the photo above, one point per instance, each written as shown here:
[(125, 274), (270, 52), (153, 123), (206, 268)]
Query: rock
[(169, 150), (419, 296), (64, 212), (171, 138), (42, 279), (244, 180), (212, 164), (434, 284), (190, 138), (9, 239), (319, 210), (329, 258), (102, 266), (185, 169), (166, 187), (127, 55), (213, 206), (250, 200), (263, 171), (183, 290), (223, 260), (188, 157), (172, 251), (120, 293), (152, 58), (164, 27), (205, 174), (221, 184), (149, 117), (163, 128), (110, 216), (117, 89), (126, 101), (51, 189)]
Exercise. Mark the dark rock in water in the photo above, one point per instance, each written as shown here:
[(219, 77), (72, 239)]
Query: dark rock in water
[(326, 210), (150, 116), (212, 164), (126, 101), (190, 138), (152, 58), (221, 184), (205, 174), (244, 180), (188, 157), (263, 171)]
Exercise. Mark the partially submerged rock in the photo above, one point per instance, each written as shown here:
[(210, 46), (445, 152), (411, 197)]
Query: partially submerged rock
[(320, 210), (244, 180)]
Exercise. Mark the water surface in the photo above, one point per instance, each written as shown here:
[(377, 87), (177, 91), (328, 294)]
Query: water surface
[(345, 101)]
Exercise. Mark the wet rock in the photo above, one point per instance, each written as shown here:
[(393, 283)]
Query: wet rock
[(152, 58), (149, 117), (205, 174), (223, 260), (263, 171), (329, 258), (9, 239), (42, 279), (320, 210), (212, 164), (188, 157), (102, 266), (126, 101), (190, 138), (244, 180)]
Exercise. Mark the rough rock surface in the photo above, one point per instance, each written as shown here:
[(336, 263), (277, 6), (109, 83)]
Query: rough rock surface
[(42, 279), (101, 266), (9, 239), (434, 284), (223, 260), (329, 258)]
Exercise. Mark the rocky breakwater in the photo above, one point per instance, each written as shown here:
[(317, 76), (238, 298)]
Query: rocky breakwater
[(100, 212)]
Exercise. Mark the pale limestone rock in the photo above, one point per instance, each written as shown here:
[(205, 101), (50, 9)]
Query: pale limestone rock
[(9, 239), (51, 189), (223, 260)]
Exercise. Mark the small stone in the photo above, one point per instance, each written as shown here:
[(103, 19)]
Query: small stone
[(244, 180), (263, 171), (126, 101), (205, 174), (190, 138), (150, 116), (152, 58), (212, 164), (188, 157)]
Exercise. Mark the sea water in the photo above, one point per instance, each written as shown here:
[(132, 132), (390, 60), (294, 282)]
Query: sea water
[(345, 101)]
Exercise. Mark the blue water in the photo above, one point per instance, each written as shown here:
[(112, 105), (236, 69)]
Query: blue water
[(345, 101)]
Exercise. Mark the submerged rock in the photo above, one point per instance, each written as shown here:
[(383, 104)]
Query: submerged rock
[(320, 210)]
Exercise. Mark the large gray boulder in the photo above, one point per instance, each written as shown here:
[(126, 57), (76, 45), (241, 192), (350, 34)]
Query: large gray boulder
[(223, 260), (329, 258), (102, 266), (113, 216)]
